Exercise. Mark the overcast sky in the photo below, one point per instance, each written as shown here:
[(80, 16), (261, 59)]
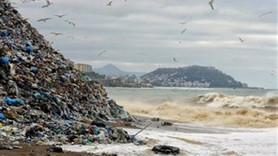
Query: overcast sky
[(142, 35)]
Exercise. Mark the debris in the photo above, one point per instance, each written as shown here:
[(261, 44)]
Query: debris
[(55, 149), (141, 130), (164, 149), (155, 119), (165, 123), (43, 99), (5, 147)]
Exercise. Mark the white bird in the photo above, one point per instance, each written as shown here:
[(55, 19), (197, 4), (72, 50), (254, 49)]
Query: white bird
[(60, 16), (211, 4), (101, 52), (241, 40), (184, 30), (263, 14), (109, 4), (48, 3), (69, 22), (56, 34), (43, 19)]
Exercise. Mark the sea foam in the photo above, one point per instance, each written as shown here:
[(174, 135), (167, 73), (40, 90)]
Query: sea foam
[(237, 117), (219, 100)]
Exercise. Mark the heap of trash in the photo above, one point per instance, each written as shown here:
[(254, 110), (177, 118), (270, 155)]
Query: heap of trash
[(43, 99)]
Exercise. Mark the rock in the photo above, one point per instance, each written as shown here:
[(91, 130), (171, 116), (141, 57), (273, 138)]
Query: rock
[(55, 149), (155, 119), (164, 149), (165, 123)]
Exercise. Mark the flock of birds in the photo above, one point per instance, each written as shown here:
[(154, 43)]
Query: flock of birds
[(211, 2), (48, 3), (212, 7)]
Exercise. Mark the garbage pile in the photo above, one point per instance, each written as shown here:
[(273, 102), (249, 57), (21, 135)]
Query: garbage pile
[(43, 98)]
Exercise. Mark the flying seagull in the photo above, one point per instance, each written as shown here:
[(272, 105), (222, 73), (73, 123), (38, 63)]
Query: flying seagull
[(69, 22), (56, 34), (211, 4), (241, 40), (266, 13), (48, 3), (43, 19), (60, 16), (175, 59), (101, 52), (184, 30), (109, 4)]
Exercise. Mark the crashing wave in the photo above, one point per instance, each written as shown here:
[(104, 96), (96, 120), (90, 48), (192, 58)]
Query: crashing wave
[(218, 100), (238, 117)]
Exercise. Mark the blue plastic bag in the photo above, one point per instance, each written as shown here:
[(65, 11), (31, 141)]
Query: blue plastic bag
[(11, 101), (29, 48), (2, 116), (5, 60), (34, 69)]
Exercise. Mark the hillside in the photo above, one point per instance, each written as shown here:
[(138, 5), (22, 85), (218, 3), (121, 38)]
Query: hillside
[(111, 70), (191, 76)]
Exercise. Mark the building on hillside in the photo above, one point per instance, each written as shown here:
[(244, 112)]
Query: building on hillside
[(85, 68)]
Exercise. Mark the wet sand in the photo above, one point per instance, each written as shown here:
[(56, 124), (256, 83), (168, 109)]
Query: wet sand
[(39, 150)]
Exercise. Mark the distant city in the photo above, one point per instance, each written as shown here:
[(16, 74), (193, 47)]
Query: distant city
[(191, 76)]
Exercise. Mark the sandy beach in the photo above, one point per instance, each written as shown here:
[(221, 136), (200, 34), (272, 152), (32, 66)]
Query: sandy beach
[(192, 139)]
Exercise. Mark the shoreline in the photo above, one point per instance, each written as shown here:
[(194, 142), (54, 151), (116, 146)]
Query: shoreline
[(190, 137)]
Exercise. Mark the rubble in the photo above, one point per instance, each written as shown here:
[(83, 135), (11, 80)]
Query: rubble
[(43, 99)]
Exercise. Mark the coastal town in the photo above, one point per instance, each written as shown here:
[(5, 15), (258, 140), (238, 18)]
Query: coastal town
[(161, 78)]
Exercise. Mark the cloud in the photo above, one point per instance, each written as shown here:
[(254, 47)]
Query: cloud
[(141, 35)]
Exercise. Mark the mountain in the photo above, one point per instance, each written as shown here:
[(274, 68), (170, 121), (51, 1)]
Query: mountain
[(191, 76), (111, 70)]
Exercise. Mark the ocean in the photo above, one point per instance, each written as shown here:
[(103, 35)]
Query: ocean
[(213, 106), (206, 121)]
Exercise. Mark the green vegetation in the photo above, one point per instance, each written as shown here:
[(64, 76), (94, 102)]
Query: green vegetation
[(192, 76)]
